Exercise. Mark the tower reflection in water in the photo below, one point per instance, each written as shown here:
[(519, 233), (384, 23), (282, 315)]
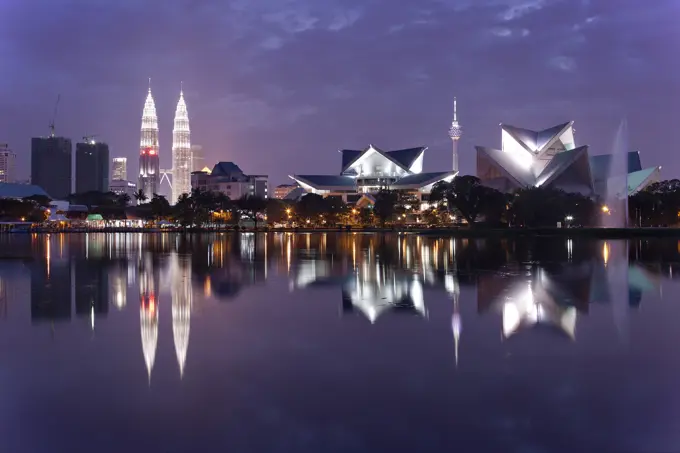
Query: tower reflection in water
[(545, 284), (149, 280)]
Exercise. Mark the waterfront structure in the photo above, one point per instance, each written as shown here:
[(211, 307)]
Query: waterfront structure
[(121, 186), (546, 158), (182, 162), (197, 158), (282, 190), (51, 165), (92, 167), (119, 168), (638, 178), (455, 133), (367, 171), (228, 178), (149, 163), (7, 164)]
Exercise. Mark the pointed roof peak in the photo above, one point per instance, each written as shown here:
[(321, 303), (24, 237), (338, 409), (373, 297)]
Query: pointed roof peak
[(181, 88), (149, 85)]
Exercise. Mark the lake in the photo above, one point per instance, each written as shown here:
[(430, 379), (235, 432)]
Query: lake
[(337, 342)]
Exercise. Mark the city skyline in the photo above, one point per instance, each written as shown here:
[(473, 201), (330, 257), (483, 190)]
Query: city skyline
[(589, 68)]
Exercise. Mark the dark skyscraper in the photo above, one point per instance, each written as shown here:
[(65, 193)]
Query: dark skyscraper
[(92, 167), (51, 165)]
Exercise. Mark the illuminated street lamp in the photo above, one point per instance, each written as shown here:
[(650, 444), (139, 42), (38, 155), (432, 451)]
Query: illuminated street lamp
[(605, 209), (569, 219)]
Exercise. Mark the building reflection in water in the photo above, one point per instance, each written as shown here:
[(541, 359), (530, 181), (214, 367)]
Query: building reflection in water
[(530, 284), (51, 280), (149, 280), (181, 291)]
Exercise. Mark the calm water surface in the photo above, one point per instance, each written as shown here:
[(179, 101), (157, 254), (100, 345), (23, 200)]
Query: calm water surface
[(337, 343)]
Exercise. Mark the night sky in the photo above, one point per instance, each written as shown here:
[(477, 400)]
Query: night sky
[(278, 86)]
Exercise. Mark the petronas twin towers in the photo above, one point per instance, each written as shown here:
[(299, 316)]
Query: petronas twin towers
[(149, 162)]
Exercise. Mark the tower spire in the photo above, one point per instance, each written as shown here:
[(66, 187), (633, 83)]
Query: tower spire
[(455, 132), (455, 110), (149, 84), (181, 88)]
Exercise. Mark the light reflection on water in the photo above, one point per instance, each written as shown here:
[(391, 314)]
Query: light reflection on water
[(463, 316)]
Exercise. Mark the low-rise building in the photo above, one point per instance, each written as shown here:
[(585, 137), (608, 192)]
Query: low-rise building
[(121, 186), (282, 190), (229, 179)]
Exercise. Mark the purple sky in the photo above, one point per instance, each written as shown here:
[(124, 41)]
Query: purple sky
[(277, 86)]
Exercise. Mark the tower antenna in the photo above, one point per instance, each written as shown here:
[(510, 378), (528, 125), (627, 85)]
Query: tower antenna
[(54, 115)]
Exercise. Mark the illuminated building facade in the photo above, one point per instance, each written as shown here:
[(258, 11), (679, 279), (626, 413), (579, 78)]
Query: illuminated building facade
[(149, 163), (547, 158), (229, 179), (550, 158), (7, 164), (119, 168), (367, 171), (182, 162)]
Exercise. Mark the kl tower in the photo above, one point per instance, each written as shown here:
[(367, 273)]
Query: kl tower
[(455, 132)]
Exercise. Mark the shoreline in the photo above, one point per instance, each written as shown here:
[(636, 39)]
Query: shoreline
[(599, 233)]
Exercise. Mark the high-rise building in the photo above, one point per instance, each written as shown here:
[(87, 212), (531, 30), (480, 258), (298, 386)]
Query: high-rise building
[(7, 164), (197, 157), (92, 167), (455, 132), (182, 162), (149, 164), (119, 169), (51, 165)]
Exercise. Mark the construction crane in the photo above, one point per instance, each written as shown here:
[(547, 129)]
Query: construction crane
[(90, 139), (54, 115)]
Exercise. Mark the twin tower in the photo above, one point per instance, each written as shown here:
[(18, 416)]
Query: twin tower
[(149, 163)]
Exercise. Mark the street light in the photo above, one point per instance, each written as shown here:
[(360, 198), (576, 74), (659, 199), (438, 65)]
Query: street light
[(605, 209), (569, 218)]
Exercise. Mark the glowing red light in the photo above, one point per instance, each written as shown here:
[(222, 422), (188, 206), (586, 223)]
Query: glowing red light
[(152, 152)]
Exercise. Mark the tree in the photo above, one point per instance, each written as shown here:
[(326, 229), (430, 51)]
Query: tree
[(385, 205), (140, 196), (545, 207), (123, 199), (276, 210), (252, 207), (310, 207), (160, 207), (467, 195), (184, 210)]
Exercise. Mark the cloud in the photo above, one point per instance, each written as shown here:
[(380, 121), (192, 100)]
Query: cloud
[(521, 8), (563, 63), (344, 19), (272, 43), (505, 32)]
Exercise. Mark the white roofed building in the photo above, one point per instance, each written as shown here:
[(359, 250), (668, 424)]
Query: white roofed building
[(369, 170)]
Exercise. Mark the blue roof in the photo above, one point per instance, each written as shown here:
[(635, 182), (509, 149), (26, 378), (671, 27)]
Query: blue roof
[(406, 157), (600, 164), (349, 156), (11, 190), (321, 181), (422, 179), (225, 169)]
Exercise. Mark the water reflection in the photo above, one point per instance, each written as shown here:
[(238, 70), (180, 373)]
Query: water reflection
[(546, 284)]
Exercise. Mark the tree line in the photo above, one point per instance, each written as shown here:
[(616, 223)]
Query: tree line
[(464, 200)]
